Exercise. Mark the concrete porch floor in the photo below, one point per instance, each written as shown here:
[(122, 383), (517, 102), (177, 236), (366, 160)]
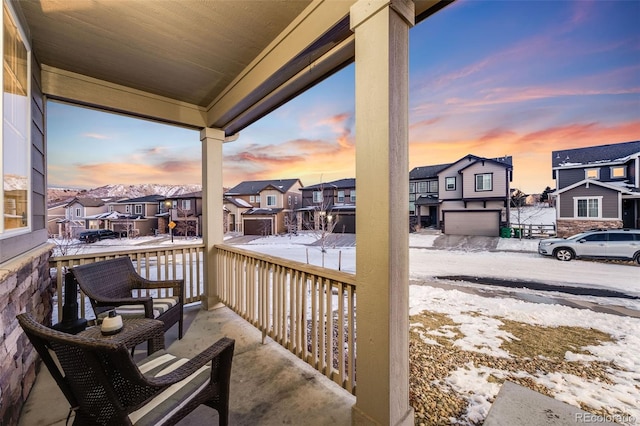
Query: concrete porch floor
[(269, 385)]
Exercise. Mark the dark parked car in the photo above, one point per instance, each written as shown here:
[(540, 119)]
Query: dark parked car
[(597, 244), (97, 235)]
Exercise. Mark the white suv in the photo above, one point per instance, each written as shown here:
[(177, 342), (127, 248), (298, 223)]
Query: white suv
[(598, 244)]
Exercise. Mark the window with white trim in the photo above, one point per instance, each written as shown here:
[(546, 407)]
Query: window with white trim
[(317, 197), (252, 198), (127, 208), (353, 195), (484, 182), (618, 172), (433, 186), (271, 200), (587, 207), (450, 183), (186, 204), (421, 187), (138, 209), (15, 140), (412, 187), (78, 212), (592, 173), (341, 196)]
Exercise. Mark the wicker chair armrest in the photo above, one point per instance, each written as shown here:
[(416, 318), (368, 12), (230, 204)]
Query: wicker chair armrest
[(125, 301), (142, 283), (221, 348)]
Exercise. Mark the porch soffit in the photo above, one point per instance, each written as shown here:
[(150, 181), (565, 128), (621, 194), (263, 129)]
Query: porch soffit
[(191, 63)]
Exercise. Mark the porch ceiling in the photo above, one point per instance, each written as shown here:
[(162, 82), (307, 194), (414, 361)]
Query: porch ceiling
[(199, 64)]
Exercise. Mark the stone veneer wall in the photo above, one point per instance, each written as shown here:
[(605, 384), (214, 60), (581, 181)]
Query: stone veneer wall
[(25, 286), (568, 227)]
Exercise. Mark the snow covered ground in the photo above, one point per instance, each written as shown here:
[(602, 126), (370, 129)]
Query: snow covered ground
[(479, 315)]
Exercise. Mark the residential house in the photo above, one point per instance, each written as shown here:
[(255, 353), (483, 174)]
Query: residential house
[(56, 214), (329, 204), (468, 197), (185, 211), (272, 204), (57, 53), (597, 187), (79, 214), (133, 216)]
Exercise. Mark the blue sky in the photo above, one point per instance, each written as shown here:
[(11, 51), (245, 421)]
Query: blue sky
[(488, 78)]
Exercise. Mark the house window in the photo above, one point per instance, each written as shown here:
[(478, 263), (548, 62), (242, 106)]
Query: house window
[(252, 198), (421, 187), (271, 200), (484, 182), (585, 207), (450, 183), (433, 186), (412, 197), (317, 196), (186, 204), (110, 208), (353, 195), (341, 196), (138, 209), (289, 200), (412, 187), (618, 172), (592, 174), (78, 212), (412, 208), (127, 208), (15, 139)]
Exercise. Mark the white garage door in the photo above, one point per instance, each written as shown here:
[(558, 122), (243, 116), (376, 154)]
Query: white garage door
[(472, 223)]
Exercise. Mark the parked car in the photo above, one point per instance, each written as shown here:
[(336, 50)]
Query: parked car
[(596, 244), (97, 235)]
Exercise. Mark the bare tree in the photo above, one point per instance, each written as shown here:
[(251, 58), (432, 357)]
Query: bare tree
[(324, 222)]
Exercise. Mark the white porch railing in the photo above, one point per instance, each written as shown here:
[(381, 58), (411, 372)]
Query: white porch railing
[(152, 263), (307, 309)]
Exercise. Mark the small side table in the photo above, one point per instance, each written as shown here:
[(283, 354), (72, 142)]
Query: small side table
[(134, 331)]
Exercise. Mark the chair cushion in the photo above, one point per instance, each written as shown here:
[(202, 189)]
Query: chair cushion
[(159, 409), (160, 306)]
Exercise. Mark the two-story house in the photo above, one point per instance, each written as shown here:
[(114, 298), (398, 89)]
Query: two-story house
[(135, 216), (334, 202), (272, 204), (235, 208), (80, 213), (185, 211), (597, 187), (467, 197)]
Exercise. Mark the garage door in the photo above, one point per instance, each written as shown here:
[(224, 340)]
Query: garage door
[(472, 223), (257, 226)]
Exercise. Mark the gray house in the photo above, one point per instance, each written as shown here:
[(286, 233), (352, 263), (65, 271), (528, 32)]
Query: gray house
[(468, 197), (597, 187), (333, 201)]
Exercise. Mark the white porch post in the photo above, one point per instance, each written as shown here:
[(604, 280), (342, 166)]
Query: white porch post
[(382, 256), (212, 218)]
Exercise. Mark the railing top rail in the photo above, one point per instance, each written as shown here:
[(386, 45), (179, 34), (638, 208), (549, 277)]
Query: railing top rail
[(331, 274), (124, 252)]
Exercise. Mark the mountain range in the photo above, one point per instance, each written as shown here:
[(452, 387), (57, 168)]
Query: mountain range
[(58, 194)]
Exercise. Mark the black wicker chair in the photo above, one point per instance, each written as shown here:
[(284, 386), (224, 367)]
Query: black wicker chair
[(110, 284), (105, 387)]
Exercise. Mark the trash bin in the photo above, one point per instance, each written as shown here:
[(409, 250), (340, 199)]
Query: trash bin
[(505, 232), (516, 232)]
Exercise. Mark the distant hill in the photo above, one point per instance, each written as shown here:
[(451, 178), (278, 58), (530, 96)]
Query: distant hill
[(120, 190)]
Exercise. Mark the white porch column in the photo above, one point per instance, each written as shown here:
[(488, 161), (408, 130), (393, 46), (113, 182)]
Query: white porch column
[(382, 239), (212, 218)]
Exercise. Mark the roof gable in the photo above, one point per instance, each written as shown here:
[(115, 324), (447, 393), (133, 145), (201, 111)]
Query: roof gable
[(145, 199), (336, 184), (254, 187), (469, 159), (600, 154)]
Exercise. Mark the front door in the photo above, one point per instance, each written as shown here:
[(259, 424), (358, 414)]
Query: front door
[(629, 213)]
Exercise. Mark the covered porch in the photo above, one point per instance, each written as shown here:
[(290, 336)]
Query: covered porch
[(214, 67)]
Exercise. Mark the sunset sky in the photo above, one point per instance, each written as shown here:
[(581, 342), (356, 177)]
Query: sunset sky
[(489, 78)]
